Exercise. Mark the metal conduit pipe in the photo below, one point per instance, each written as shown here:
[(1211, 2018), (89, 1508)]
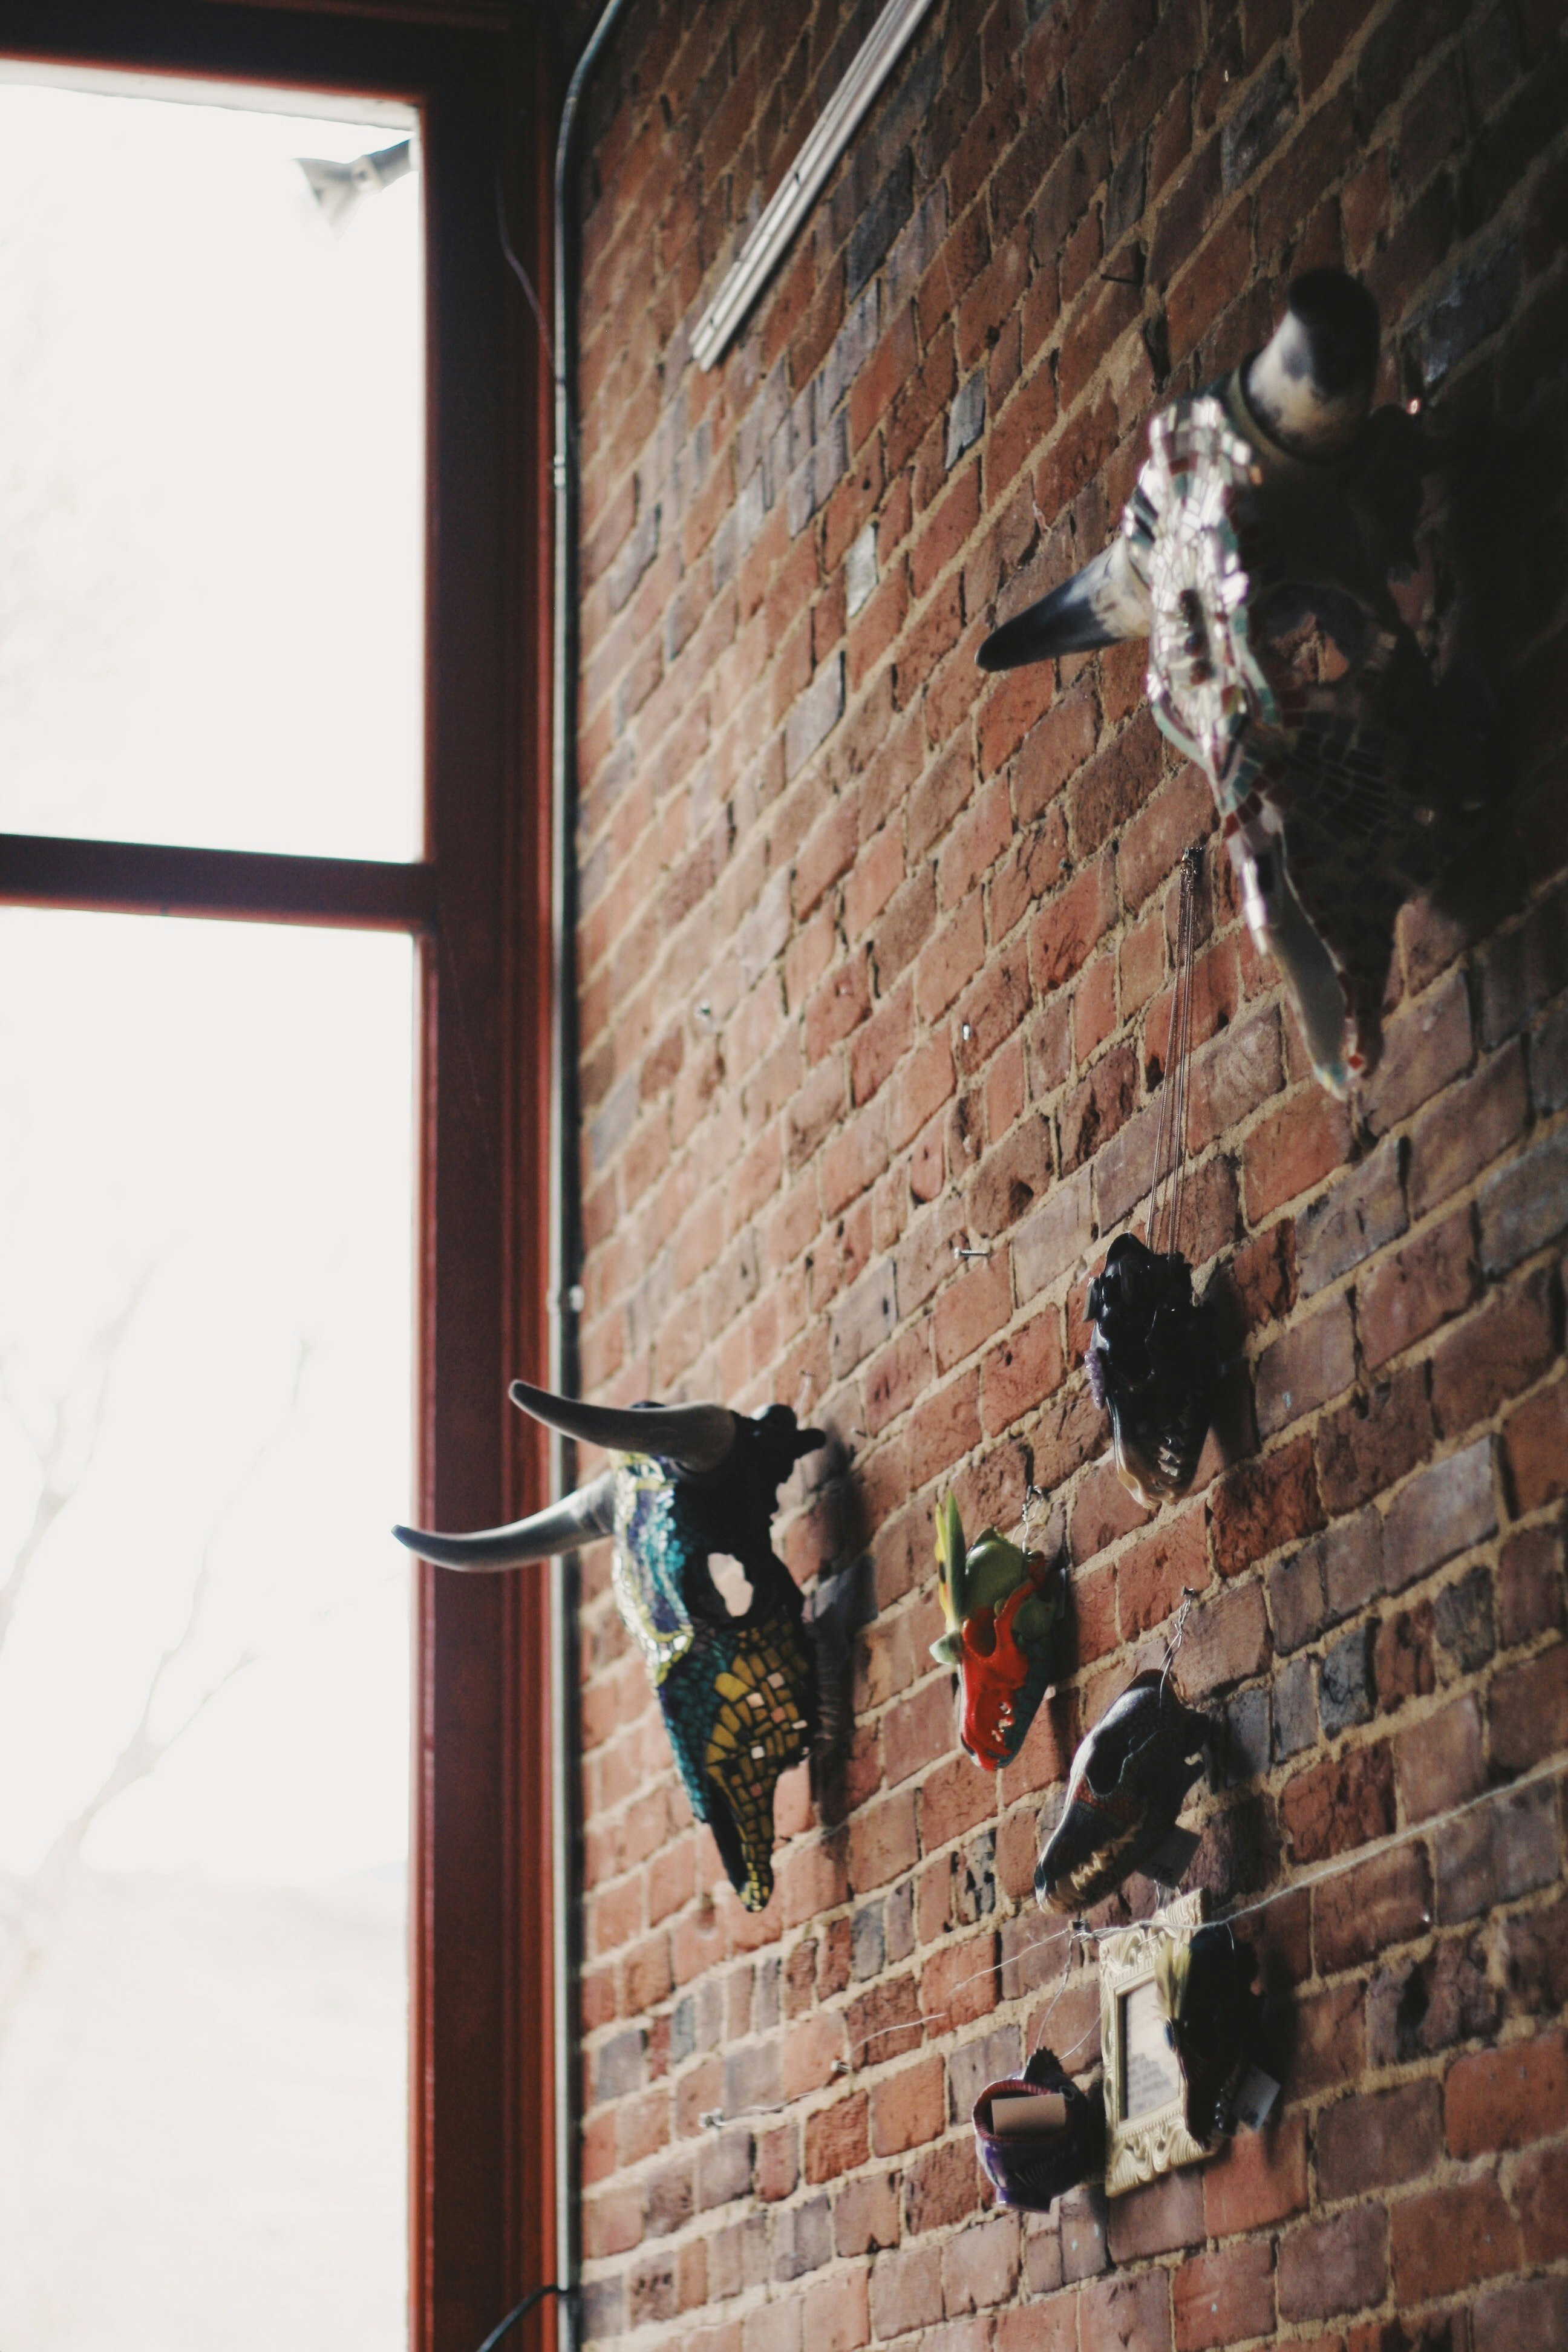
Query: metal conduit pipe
[(566, 1241)]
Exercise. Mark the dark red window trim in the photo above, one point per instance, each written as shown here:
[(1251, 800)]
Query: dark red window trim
[(138, 877), (482, 2220)]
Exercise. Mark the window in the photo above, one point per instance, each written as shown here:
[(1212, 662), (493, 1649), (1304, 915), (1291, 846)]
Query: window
[(482, 2226)]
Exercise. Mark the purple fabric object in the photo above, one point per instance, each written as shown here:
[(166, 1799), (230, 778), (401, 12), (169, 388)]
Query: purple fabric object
[(1030, 2170)]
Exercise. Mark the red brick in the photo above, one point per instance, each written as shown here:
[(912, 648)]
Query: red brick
[(1021, 1371), (1211, 280), (1427, 1045), (906, 2289), (866, 2215), (1408, 1294), (979, 2266), (1468, 1127), (776, 2164), (882, 1841), (1541, 2200), (1293, 1149), (1052, 751), (1439, 1760), (836, 2317), (950, 524), (953, 1799), (1257, 2178), (926, 640), (945, 1427), (878, 627), (951, 960), (1226, 1641), (882, 378), (1528, 1711), (1370, 1443), (1069, 925), (1329, 2048), (940, 2186), (1507, 2098), (989, 1012), (835, 2139), (1403, 1663), (1161, 2216), (1529, 1592), (1535, 1443), (1522, 2318), (1341, 1804), (974, 1305), (1094, 1006), (1021, 428), (1009, 710), (1331, 2266), (908, 2108), (1095, 1110), (1263, 1504), (822, 1124), (1504, 1347), (917, 1731), (1119, 2314), (1452, 2238), (1380, 2141), (1221, 2297), (1151, 1576)]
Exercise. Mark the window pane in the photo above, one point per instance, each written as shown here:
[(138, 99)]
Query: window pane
[(211, 484), (204, 1288)]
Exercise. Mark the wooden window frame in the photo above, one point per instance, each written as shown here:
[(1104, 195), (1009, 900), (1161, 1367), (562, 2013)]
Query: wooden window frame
[(482, 2218)]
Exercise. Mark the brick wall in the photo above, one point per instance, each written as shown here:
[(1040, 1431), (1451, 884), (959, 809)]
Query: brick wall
[(874, 964)]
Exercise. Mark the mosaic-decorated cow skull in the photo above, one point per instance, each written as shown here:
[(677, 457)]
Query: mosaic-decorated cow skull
[(1255, 555), (738, 1693), (1001, 1605)]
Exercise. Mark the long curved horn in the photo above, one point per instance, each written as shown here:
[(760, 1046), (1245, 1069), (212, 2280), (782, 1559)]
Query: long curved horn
[(576, 1518), (696, 1437), (1311, 386), (1097, 606)]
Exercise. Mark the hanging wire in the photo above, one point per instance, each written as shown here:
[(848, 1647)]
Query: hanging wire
[(530, 295), (1036, 1499), (520, 2311), (1177, 1636), (1076, 1929), (1167, 1193), (1077, 1936), (521, 273)]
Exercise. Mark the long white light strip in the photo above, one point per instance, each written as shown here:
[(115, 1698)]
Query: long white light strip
[(793, 199)]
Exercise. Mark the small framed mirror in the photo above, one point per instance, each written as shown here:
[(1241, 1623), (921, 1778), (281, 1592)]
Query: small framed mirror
[(1145, 2114)]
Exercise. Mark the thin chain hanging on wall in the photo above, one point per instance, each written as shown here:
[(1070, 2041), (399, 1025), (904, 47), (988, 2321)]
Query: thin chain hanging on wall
[(1167, 1196), (1153, 1362)]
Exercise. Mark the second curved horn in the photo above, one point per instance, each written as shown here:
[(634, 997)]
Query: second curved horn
[(696, 1437)]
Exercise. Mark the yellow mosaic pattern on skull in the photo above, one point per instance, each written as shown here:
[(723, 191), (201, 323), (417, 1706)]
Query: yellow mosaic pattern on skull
[(758, 1732)]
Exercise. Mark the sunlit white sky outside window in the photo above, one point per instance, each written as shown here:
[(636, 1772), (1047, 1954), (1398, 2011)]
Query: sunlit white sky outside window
[(210, 516)]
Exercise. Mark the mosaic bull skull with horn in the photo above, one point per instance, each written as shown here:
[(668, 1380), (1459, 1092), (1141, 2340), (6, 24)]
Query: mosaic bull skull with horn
[(738, 1692), (1255, 555)]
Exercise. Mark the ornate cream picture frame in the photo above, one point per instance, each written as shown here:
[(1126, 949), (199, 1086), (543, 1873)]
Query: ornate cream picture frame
[(1153, 2138)]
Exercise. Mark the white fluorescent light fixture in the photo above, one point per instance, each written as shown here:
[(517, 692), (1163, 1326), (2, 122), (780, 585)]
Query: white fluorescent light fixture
[(190, 89), (340, 188), (793, 199)]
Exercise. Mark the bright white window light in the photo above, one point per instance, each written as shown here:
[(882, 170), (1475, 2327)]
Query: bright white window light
[(210, 599)]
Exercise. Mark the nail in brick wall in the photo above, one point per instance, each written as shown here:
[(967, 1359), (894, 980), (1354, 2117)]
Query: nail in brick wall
[(874, 967)]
